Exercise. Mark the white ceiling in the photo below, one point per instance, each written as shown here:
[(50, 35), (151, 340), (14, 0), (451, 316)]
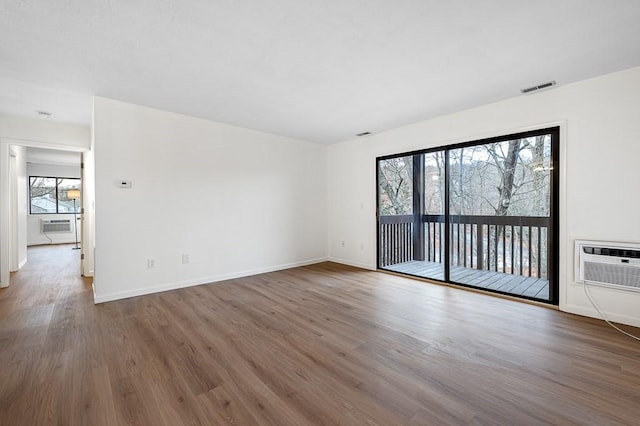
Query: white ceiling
[(319, 70)]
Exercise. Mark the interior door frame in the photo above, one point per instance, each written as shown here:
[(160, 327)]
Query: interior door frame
[(5, 195)]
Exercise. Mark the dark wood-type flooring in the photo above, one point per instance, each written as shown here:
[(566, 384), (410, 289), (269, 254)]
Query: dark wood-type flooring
[(323, 344), (517, 285)]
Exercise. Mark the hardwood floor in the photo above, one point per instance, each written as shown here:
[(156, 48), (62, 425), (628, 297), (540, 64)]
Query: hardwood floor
[(323, 344)]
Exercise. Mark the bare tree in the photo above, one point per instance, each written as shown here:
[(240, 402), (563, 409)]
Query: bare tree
[(507, 176), (396, 182)]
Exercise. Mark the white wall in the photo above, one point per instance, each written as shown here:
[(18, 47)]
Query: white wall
[(54, 170), (45, 133), (19, 131), (18, 208), (237, 201), (600, 148), (34, 234), (88, 226)]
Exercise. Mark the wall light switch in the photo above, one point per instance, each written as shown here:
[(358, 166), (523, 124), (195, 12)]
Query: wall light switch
[(123, 183)]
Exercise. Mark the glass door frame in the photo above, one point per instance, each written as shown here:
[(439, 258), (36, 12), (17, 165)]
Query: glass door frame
[(554, 206)]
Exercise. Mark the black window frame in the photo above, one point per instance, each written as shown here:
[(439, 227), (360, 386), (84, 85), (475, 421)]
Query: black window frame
[(58, 179), (554, 216)]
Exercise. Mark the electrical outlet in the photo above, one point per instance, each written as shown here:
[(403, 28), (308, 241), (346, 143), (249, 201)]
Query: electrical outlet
[(185, 258), (151, 263)]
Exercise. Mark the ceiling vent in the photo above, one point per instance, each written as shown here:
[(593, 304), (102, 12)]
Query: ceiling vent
[(44, 114), (538, 87)]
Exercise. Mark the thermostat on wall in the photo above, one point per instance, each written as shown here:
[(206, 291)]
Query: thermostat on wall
[(124, 183)]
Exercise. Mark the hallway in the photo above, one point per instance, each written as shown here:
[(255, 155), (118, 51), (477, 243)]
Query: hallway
[(41, 316), (51, 274)]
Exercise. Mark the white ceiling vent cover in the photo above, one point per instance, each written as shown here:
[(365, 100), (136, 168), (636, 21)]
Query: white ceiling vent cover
[(609, 264)]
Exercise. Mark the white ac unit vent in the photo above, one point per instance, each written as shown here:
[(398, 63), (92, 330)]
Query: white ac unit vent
[(608, 264), (55, 225)]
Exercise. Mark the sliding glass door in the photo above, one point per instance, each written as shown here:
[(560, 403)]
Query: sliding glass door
[(499, 209), (433, 209), (480, 214), (395, 208), (410, 212)]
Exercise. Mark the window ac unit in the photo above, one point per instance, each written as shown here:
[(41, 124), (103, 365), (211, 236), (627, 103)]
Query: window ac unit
[(608, 264), (55, 225)]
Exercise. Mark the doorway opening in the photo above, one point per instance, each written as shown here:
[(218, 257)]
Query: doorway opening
[(45, 206)]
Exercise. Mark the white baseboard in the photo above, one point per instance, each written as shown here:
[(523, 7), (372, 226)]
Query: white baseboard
[(590, 312), (351, 263), (48, 243), (198, 281)]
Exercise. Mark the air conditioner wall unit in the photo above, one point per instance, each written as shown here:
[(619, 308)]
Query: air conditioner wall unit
[(48, 226), (609, 264)]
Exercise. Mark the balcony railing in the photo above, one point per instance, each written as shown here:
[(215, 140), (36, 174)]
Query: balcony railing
[(508, 244)]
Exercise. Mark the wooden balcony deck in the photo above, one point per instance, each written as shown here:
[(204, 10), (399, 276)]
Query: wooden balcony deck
[(516, 285)]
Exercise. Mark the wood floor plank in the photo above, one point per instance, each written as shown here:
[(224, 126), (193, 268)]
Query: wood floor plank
[(134, 402), (224, 408), (178, 404), (324, 344)]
